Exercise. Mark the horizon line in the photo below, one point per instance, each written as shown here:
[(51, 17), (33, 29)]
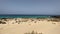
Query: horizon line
[(27, 15)]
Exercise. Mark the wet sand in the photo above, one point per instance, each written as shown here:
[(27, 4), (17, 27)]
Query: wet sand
[(28, 25)]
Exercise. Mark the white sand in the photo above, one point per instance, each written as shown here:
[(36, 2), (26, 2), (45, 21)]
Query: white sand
[(45, 27)]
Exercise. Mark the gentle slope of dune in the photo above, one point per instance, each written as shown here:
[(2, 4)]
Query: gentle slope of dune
[(21, 26)]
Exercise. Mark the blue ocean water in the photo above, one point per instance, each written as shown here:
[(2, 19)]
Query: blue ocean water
[(23, 16)]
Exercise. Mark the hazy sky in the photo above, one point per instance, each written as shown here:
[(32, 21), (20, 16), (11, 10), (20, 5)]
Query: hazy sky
[(30, 7)]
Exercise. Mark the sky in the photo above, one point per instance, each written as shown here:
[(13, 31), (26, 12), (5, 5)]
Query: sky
[(44, 7)]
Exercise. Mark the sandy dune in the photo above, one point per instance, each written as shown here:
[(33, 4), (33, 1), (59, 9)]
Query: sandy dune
[(44, 27)]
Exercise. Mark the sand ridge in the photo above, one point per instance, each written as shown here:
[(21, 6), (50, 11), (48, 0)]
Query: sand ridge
[(24, 25)]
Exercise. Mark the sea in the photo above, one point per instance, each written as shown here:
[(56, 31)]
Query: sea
[(24, 16)]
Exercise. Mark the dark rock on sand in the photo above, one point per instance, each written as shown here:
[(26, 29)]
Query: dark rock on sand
[(53, 23), (55, 16), (2, 22), (5, 19)]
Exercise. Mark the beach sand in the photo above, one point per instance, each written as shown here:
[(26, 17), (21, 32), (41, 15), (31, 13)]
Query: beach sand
[(28, 25)]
